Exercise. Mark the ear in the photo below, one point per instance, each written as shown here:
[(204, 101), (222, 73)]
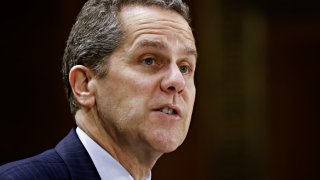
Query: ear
[(81, 81)]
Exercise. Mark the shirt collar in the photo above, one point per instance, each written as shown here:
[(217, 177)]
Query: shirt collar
[(107, 166)]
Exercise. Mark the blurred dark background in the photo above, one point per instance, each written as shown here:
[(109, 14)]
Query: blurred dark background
[(257, 111)]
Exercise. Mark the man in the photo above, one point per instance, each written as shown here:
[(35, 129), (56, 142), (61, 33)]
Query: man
[(129, 74)]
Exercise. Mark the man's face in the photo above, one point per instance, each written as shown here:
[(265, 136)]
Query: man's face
[(147, 97)]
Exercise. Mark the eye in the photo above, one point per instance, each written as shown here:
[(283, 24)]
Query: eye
[(184, 69), (149, 61)]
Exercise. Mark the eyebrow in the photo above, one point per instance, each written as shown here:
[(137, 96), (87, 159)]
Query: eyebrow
[(160, 45)]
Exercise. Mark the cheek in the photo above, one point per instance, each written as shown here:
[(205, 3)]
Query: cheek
[(127, 96), (190, 95), (189, 100)]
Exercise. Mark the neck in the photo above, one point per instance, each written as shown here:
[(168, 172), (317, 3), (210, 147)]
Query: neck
[(137, 159)]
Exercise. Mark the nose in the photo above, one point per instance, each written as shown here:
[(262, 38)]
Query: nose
[(173, 81)]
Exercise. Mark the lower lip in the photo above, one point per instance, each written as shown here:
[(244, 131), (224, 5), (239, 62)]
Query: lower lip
[(170, 117)]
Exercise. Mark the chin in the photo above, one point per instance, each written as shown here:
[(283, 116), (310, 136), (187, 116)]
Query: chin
[(165, 143), (165, 147)]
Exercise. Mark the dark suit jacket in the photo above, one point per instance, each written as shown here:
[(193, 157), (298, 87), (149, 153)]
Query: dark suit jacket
[(68, 160)]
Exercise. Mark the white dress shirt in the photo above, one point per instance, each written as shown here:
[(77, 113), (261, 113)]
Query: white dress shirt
[(107, 167)]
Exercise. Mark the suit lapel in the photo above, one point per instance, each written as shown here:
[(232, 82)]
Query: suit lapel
[(76, 157)]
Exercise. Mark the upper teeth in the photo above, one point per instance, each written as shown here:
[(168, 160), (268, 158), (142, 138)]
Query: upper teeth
[(167, 110)]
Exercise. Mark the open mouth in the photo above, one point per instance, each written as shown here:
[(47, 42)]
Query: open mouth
[(168, 111)]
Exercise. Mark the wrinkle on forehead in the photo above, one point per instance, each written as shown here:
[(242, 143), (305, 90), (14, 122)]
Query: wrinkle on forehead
[(158, 26), (140, 20), (160, 21)]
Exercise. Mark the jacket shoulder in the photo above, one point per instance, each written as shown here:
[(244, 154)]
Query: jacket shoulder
[(47, 165)]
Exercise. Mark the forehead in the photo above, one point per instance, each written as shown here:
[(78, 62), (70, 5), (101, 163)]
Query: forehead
[(137, 11), (141, 20)]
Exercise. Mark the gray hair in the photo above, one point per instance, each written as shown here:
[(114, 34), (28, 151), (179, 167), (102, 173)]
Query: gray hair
[(98, 32)]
